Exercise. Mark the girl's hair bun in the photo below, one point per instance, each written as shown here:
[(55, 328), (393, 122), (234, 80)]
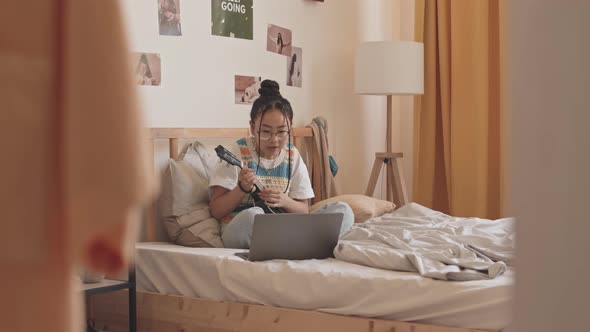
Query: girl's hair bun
[(269, 88)]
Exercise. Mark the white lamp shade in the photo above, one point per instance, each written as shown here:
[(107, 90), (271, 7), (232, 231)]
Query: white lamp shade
[(390, 68)]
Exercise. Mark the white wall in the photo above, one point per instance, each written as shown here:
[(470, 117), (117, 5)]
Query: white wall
[(550, 111), (377, 20), (199, 69)]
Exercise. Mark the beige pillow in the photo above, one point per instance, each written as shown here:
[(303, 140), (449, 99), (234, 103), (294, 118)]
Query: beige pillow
[(201, 157), (194, 229), (363, 207), (184, 207), (182, 189)]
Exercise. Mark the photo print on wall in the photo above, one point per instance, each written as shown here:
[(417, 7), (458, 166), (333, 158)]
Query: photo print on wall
[(169, 17), (246, 89), (232, 18), (148, 68), (278, 40), (295, 67)]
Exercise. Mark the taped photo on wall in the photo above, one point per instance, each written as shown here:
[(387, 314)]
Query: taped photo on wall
[(295, 67), (246, 89), (148, 68), (278, 40), (169, 17)]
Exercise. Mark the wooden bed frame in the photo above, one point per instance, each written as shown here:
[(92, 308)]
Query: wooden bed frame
[(172, 313)]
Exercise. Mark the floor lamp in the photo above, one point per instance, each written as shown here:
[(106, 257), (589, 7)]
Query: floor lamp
[(389, 68)]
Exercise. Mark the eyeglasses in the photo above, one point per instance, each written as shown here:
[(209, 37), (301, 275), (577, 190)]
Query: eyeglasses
[(266, 135)]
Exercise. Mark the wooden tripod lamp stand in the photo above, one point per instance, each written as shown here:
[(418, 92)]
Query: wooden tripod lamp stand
[(389, 68)]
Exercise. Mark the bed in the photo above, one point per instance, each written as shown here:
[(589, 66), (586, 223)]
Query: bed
[(210, 289)]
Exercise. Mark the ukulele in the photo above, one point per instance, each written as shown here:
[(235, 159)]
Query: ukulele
[(231, 159)]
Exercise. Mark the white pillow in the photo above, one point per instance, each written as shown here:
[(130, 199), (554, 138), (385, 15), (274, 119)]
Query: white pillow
[(194, 229), (183, 189), (201, 157), (185, 182), (185, 198)]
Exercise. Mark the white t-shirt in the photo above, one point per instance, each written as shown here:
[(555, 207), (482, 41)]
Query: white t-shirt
[(226, 176)]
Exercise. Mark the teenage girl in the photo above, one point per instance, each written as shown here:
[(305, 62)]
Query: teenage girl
[(268, 156)]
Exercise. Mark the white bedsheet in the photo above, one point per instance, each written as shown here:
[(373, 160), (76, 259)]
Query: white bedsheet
[(415, 238), (330, 286)]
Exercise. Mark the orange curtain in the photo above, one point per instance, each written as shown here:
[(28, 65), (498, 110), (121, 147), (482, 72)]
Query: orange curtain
[(458, 121)]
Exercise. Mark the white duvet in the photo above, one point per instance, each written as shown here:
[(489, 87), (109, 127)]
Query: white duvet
[(417, 239)]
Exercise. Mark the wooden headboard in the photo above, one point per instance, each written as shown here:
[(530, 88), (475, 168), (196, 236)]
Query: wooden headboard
[(173, 135)]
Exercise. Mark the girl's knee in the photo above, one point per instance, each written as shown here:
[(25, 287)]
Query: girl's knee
[(348, 218), (238, 232), (246, 216), (339, 207), (252, 211)]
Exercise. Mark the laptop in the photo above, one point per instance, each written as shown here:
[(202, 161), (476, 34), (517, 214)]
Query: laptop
[(293, 236)]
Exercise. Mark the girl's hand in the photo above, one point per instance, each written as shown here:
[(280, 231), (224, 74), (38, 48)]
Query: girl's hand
[(247, 178), (274, 198)]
